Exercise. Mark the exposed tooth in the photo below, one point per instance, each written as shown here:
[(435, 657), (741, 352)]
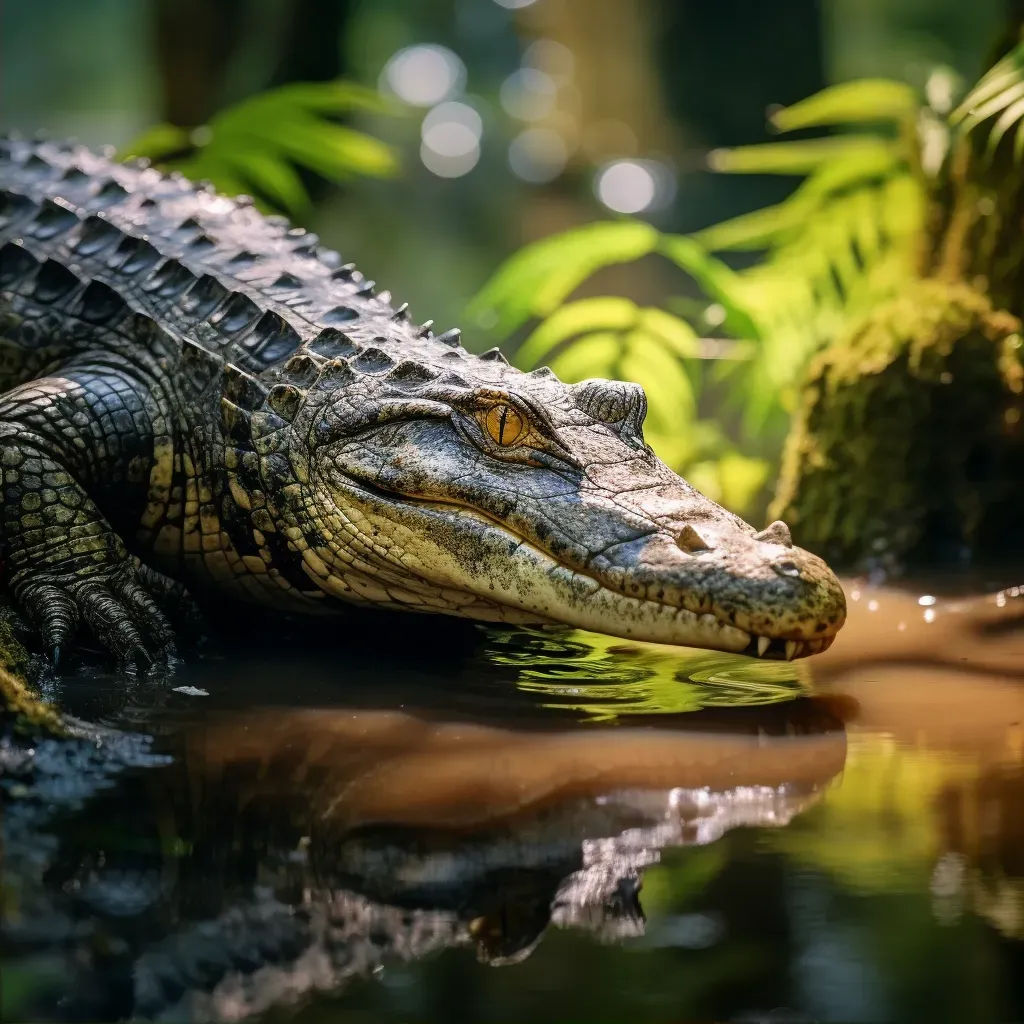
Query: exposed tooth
[(791, 646), (762, 645)]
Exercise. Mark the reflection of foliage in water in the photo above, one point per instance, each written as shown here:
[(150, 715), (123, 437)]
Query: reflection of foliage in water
[(605, 677), (879, 830)]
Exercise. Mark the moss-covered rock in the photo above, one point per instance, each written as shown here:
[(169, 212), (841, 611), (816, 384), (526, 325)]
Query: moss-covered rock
[(908, 444), (21, 710), (26, 712)]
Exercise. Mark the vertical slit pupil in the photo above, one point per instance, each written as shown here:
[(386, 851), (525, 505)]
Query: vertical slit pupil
[(501, 424)]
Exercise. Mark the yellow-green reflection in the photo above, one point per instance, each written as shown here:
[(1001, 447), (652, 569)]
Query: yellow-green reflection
[(603, 677)]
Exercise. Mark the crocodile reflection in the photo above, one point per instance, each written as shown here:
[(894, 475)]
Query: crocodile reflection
[(320, 845)]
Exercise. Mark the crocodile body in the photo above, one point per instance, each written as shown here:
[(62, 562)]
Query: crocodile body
[(197, 394)]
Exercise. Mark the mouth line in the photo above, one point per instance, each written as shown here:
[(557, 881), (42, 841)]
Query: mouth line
[(764, 648)]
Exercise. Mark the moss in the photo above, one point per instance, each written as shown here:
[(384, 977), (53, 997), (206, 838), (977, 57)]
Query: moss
[(31, 714), (908, 444), (22, 708)]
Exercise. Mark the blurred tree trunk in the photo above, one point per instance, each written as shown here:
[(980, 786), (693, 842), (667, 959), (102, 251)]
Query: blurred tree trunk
[(197, 42), (720, 60), (313, 49)]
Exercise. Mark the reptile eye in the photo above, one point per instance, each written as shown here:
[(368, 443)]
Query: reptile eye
[(504, 424)]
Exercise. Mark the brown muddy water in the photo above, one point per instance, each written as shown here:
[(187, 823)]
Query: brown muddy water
[(511, 826)]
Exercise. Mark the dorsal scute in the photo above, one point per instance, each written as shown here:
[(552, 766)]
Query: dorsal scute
[(101, 305), (16, 264), (252, 287), (169, 280), (53, 217), (331, 343), (54, 282), (242, 388), (95, 235), (272, 339)]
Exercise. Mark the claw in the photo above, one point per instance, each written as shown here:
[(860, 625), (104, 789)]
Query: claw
[(140, 657)]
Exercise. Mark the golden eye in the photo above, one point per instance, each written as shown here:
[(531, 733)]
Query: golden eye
[(504, 424)]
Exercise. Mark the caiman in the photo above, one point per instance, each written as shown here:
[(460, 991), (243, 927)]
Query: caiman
[(198, 393)]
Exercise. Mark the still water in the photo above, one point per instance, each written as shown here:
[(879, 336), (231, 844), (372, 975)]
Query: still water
[(441, 823)]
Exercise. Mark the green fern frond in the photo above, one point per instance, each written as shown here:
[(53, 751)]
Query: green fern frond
[(613, 337), (999, 92), (857, 102), (801, 157), (537, 279), (842, 241), (257, 145)]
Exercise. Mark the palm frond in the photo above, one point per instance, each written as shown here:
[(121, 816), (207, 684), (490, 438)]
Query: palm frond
[(999, 92), (257, 145)]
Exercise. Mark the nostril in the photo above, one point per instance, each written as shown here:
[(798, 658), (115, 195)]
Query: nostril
[(775, 533), (690, 540), (787, 568)]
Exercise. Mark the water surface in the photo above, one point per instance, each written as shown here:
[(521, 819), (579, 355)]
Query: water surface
[(446, 823)]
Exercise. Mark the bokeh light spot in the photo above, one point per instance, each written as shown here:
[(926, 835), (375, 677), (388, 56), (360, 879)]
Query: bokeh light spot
[(528, 94), (538, 155), (423, 75), (451, 135), (551, 57), (631, 186)]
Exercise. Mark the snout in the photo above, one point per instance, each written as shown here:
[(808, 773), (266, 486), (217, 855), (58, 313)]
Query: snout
[(784, 598)]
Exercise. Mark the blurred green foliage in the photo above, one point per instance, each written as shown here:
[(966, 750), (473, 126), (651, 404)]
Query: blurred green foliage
[(844, 240), (258, 146)]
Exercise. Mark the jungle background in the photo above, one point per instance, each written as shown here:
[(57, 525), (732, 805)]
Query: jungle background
[(570, 179), (698, 197)]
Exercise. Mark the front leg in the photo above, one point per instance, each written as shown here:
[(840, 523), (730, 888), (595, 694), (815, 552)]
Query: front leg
[(75, 453), (66, 565)]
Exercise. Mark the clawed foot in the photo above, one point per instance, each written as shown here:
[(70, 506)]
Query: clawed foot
[(118, 605)]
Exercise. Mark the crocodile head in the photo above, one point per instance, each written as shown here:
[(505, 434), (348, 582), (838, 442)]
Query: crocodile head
[(434, 480)]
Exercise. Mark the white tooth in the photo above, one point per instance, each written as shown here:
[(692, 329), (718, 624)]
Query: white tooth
[(762, 645), (791, 646)]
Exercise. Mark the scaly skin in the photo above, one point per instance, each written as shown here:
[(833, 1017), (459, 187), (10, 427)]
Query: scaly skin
[(197, 393)]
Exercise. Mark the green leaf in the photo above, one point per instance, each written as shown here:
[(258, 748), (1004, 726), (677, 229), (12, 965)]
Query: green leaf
[(1000, 78), (155, 143), (584, 316), (718, 281), (256, 145), (799, 157), (540, 276), (593, 355), (867, 99), (672, 332), (671, 402), (1009, 117), (274, 178), (755, 230), (976, 114)]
